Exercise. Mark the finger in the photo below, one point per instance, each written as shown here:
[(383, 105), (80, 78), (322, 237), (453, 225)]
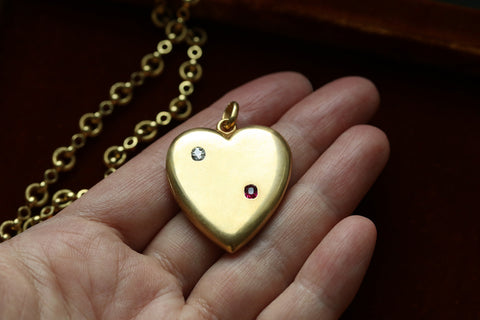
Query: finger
[(136, 201), (331, 276), (247, 282), (309, 128)]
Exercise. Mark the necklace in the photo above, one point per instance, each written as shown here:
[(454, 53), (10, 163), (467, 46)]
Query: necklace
[(39, 205)]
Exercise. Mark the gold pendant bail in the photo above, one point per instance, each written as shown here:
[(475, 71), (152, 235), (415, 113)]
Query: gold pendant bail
[(228, 125)]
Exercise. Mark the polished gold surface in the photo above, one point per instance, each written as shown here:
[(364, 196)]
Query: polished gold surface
[(227, 126), (211, 191), (37, 195)]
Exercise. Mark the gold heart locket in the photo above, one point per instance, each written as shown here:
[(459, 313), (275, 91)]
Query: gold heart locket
[(229, 182)]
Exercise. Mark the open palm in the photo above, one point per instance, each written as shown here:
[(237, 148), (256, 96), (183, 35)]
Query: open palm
[(124, 251)]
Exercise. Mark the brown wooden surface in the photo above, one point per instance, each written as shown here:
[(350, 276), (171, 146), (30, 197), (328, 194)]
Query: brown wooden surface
[(424, 21), (425, 31), (57, 61)]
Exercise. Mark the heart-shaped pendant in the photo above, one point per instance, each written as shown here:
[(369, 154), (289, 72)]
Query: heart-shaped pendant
[(229, 182)]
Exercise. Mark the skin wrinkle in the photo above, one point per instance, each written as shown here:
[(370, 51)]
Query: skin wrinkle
[(302, 193), (64, 294), (363, 92), (129, 274), (372, 98), (34, 267), (162, 283), (110, 299), (298, 197), (349, 243), (356, 93), (321, 202), (336, 246), (6, 274), (295, 227), (325, 301), (256, 106), (205, 310), (291, 127), (337, 121), (300, 152), (73, 301), (145, 309), (180, 240), (229, 276), (322, 295), (317, 117), (146, 174), (122, 277), (23, 309), (170, 267), (136, 189), (180, 248), (95, 244), (332, 111), (302, 307), (97, 311), (34, 284), (117, 296), (349, 156), (85, 253), (89, 212), (269, 248), (274, 243), (101, 223), (38, 284), (338, 189), (263, 253)]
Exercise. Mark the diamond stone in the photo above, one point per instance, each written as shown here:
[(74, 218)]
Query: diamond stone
[(198, 154), (251, 191)]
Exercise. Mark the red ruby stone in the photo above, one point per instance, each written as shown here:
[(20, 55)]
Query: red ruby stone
[(251, 191)]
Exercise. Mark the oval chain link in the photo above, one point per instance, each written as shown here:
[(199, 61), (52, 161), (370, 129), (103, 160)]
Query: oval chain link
[(120, 94)]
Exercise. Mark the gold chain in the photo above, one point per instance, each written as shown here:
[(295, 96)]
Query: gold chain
[(37, 196)]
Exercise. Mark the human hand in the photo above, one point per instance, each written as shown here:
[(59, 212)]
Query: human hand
[(124, 251)]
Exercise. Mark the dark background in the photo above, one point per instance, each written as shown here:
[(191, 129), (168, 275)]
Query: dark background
[(58, 60), (467, 3)]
